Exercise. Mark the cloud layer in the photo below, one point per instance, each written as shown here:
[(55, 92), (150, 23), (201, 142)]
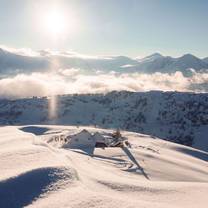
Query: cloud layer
[(66, 81)]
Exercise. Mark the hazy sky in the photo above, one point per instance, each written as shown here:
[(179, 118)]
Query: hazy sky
[(119, 27)]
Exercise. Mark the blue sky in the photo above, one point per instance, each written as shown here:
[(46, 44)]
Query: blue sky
[(119, 27)]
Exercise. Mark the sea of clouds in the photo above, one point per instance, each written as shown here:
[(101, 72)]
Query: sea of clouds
[(67, 81), (73, 80)]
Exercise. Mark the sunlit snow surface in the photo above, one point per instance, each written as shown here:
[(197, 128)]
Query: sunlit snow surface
[(38, 172)]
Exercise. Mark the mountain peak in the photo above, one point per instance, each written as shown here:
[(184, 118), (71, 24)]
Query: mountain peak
[(189, 56), (151, 57), (2, 50), (156, 54)]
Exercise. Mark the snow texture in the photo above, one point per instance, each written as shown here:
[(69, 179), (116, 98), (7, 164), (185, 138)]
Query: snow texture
[(177, 117), (37, 171)]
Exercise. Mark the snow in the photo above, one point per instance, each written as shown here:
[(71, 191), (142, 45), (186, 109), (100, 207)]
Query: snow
[(13, 62), (178, 117), (150, 58), (205, 59), (81, 140), (36, 172), (127, 66), (100, 138)]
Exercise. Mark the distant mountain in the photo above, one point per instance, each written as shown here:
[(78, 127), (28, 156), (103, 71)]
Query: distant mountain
[(167, 64), (12, 63), (189, 61), (150, 58), (205, 60), (106, 63)]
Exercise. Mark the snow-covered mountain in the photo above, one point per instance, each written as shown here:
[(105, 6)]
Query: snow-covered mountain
[(12, 63), (205, 60), (150, 58), (106, 64), (167, 64), (178, 117)]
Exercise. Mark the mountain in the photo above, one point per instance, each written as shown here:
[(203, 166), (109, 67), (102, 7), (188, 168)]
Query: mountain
[(177, 117), (38, 171), (189, 61), (167, 64), (12, 63), (205, 60), (150, 58), (106, 64)]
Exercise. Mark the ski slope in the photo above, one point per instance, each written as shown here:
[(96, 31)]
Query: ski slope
[(38, 172)]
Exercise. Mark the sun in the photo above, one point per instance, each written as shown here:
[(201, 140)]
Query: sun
[(55, 22)]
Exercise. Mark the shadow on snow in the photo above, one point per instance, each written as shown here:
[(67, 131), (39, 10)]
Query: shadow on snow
[(23, 189)]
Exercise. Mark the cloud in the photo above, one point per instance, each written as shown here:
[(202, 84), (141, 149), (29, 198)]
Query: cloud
[(60, 78), (20, 51), (48, 52), (66, 81), (69, 72)]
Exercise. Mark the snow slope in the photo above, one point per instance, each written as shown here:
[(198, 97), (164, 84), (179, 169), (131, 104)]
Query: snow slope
[(36, 172), (205, 60), (150, 58)]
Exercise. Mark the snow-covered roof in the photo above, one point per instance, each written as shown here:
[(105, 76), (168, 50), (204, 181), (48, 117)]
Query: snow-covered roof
[(97, 136), (84, 133)]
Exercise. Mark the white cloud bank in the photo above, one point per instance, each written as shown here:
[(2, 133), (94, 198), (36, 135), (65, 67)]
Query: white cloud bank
[(73, 81)]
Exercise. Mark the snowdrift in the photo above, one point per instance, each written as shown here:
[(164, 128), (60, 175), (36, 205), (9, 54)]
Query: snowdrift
[(38, 172)]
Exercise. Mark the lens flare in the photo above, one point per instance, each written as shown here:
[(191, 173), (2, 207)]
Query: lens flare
[(52, 107)]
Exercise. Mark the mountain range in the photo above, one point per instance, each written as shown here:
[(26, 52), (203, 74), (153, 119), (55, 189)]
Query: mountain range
[(12, 63)]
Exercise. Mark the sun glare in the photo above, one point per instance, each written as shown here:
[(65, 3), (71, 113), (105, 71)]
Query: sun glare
[(58, 23), (55, 23)]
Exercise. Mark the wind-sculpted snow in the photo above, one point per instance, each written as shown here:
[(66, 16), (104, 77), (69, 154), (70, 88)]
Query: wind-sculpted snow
[(22, 190), (36, 172), (178, 117)]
